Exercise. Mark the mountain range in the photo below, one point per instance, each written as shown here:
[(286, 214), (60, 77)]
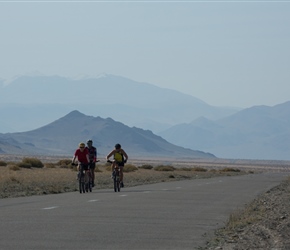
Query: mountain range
[(62, 137), (29, 103), (36, 101), (259, 132)]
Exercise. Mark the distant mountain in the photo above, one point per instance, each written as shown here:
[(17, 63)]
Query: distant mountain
[(260, 132), (35, 101), (62, 137)]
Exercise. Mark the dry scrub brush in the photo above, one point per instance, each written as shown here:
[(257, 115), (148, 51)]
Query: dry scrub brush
[(32, 177)]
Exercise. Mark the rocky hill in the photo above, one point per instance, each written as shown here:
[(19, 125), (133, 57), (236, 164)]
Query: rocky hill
[(62, 137)]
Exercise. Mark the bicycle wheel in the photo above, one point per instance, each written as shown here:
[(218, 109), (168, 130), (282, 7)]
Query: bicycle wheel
[(115, 184), (86, 181), (90, 182), (118, 185), (81, 185), (90, 186), (82, 181)]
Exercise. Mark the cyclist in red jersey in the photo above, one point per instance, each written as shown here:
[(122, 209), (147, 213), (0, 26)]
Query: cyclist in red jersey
[(82, 155)]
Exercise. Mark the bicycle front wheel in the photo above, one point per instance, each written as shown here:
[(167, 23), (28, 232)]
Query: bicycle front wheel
[(115, 184), (118, 186), (81, 186)]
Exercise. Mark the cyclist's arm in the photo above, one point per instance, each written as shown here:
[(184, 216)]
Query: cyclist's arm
[(95, 155), (75, 156), (73, 159), (110, 154), (88, 157), (124, 154)]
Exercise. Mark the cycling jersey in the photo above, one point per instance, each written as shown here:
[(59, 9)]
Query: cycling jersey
[(81, 156), (118, 156), (92, 154)]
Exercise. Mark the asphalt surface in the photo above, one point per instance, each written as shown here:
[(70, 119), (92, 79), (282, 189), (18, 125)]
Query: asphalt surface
[(171, 215)]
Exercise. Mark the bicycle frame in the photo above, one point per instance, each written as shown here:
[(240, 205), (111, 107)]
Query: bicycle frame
[(116, 176), (85, 179)]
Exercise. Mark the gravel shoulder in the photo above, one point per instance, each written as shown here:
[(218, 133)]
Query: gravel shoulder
[(262, 224)]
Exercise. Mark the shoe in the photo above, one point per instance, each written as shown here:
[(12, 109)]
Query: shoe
[(122, 184)]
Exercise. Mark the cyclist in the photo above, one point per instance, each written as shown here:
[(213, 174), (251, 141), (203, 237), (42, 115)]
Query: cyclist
[(120, 158), (82, 155), (92, 158)]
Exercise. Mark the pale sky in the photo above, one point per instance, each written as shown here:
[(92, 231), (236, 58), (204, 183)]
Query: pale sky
[(227, 53)]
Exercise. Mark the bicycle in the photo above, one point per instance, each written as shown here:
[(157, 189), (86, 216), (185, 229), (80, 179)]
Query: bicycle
[(85, 178), (116, 176), (92, 166)]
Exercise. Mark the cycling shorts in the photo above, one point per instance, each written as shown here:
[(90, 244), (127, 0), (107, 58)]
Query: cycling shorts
[(120, 164), (84, 166), (92, 165)]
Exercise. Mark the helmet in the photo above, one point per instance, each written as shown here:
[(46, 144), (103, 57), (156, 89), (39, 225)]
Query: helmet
[(81, 145), (89, 141), (117, 146)]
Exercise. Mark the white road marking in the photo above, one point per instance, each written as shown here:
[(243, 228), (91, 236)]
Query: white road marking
[(47, 208), (208, 183), (123, 195), (92, 200)]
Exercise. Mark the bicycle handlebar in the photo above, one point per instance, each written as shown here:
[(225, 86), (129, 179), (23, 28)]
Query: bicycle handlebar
[(109, 161), (75, 164)]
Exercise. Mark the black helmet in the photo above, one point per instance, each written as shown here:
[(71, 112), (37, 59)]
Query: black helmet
[(89, 142), (117, 146)]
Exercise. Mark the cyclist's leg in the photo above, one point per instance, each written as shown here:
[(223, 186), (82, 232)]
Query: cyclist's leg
[(113, 167), (92, 168), (87, 175), (121, 173), (81, 169), (79, 173)]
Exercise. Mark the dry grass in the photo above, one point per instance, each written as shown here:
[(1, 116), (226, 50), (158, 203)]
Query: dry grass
[(15, 181), (59, 177), (3, 163)]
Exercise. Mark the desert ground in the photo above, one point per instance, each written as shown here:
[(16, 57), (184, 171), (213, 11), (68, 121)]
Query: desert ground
[(262, 224)]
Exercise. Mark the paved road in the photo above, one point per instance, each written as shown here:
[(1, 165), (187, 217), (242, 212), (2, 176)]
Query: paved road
[(174, 215)]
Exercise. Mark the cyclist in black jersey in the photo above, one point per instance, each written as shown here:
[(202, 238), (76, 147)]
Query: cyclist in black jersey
[(93, 158)]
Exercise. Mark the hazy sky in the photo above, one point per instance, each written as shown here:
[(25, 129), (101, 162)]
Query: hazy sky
[(227, 53)]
